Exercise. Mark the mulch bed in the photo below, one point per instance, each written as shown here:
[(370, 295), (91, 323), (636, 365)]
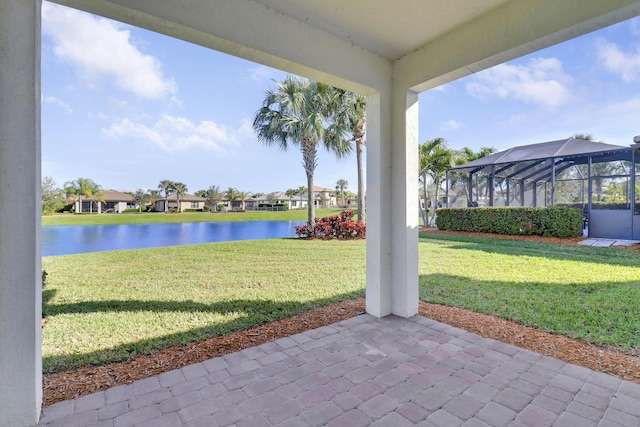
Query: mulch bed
[(79, 382)]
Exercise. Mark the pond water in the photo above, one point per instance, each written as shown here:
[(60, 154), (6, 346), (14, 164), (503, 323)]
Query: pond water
[(75, 239)]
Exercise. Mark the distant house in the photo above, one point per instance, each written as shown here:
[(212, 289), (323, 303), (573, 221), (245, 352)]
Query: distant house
[(188, 201), (324, 197), (117, 202), (278, 198), (112, 201)]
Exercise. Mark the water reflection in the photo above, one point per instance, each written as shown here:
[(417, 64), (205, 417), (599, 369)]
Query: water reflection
[(74, 239)]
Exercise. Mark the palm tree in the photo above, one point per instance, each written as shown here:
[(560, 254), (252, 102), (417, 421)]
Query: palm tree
[(301, 191), (180, 190), (353, 110), (242, 196), (83, 187), (302, 113), (290, 193), (467, 155), (342, 185), (232, 194), (214, 197), (166, 187), (435, 158)]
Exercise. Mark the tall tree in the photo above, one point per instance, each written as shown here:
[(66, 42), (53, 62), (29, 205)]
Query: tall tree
[(272, 198), (353, 108), (166, 187), (52, 196), (302, 113), (232, 195), (140, 197), (290, 193), (435, 158), (301, 191), (83, 188), (242, 197), (341, 186), (467, 155), (214, 197), (180, 189)]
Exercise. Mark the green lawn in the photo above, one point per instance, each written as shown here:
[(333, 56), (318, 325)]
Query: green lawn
[(108, 306), (588, 293), (158, 217)]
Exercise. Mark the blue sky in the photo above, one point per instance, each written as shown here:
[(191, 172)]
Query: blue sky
[(127, 107)]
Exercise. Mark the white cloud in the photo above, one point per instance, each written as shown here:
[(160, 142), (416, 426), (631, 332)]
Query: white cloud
[(450, 125), (171, 133), (262, 73), (57, 102), (627, 65), (102, 48), (246, 129), (541, 81)]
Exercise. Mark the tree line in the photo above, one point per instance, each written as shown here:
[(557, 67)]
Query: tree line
[(54, 198)]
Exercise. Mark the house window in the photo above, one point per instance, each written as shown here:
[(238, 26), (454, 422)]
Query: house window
[(195, 205), (294, 203)]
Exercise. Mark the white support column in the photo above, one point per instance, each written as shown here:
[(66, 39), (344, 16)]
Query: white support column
[(392, 203), (379, 211), (20, 189), (404, 199)]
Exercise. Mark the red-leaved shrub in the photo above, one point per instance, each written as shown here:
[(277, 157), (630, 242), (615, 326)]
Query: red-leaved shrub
[(333, 227)]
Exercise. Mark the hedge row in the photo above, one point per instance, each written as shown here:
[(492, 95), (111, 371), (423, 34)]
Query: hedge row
[(556, 221)]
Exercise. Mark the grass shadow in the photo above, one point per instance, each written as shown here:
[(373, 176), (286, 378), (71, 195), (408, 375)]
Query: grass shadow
[(254, 313), (601, 311)]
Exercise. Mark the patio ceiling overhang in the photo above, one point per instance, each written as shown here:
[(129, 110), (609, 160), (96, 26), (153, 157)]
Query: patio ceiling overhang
[(360, 44), (389, 51)]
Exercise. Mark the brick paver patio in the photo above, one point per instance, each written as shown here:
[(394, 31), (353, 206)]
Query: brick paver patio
[(366, 371)]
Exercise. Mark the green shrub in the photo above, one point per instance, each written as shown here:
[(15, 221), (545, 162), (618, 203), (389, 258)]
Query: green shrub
[(556, 221)]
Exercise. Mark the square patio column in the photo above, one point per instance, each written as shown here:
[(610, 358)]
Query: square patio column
[(20, 211), (392, 203)]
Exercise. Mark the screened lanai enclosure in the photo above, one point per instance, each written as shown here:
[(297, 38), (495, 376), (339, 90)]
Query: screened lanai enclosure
[(602, 180)]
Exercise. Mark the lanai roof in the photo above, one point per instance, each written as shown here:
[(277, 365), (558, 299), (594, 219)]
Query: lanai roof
[(544, 150)]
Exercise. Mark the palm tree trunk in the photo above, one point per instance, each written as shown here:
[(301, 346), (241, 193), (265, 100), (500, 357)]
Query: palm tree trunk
[(425, 211), (309, 160), (361, 206), (432, 223), (311, 207)]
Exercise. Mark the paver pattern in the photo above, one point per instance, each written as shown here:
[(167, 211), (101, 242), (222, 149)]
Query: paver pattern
[(366, 371)]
